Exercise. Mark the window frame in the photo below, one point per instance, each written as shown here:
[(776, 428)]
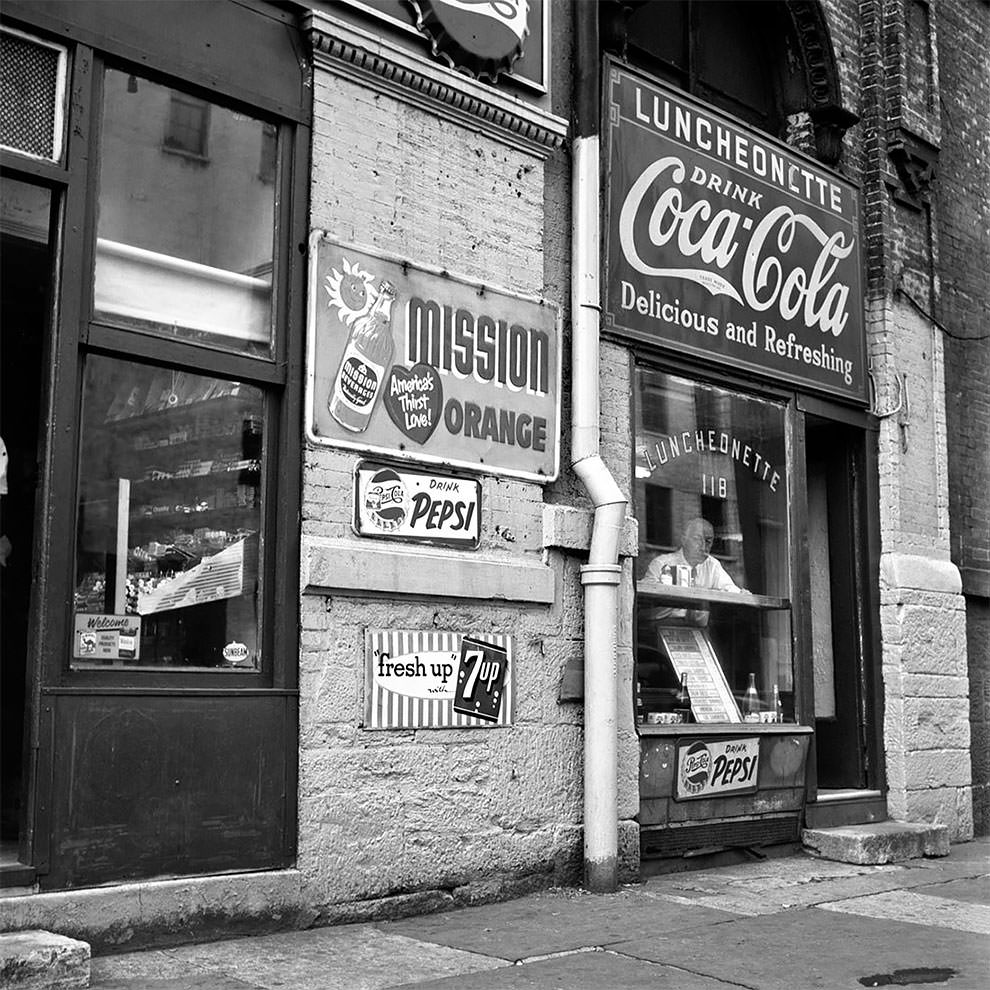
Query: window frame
[(279, 374), (798, 407), (656, 361)]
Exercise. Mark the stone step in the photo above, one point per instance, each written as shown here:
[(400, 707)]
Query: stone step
[(39, 960), (878, 842)]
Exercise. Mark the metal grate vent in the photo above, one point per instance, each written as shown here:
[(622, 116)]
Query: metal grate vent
[(32, 95), (660, 841)]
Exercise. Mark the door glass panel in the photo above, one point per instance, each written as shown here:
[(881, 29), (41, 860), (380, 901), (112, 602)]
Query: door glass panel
[(186, 217), (713, 588), (169, 516)]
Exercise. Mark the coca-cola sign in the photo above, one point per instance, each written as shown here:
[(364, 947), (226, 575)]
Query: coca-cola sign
[(727, 244)]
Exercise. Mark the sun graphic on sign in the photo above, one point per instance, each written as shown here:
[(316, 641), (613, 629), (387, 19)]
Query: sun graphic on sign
[(351, 291)]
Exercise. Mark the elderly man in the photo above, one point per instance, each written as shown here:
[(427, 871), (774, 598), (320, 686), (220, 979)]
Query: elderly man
[(706, 571)]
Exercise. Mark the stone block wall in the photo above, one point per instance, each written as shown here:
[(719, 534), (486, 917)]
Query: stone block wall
[(923, 617), (962, 307), (393, 812)]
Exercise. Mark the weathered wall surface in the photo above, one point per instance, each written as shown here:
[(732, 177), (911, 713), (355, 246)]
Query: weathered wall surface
[(387, 812), (962, 306), (923, 618)]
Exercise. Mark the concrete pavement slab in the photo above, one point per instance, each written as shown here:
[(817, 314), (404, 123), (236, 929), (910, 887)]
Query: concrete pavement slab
[(975, 890), (812, 949), (754, 889), (350, 957), (962, 856), (922, 909), (760, 888), (581, 971), (204, 981), (555, 921)]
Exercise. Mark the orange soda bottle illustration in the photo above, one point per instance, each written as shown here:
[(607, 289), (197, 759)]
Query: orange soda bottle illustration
[(367, 357)]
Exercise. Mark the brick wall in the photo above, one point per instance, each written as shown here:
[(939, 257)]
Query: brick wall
[(388, 812), (384, 813), (963, 309), (908, 107)]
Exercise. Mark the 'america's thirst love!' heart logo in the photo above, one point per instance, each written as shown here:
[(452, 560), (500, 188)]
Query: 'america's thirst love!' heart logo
[(414, 399)]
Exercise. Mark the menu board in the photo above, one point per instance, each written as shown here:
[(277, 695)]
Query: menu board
[(691, 652)]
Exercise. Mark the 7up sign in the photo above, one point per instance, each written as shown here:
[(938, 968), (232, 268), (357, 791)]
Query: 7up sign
[(481, 678), (435, 679)]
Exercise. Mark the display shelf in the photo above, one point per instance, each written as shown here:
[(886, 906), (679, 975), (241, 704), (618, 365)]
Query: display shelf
[(213, 518), (694, 595), (220, 405), (725, 729)]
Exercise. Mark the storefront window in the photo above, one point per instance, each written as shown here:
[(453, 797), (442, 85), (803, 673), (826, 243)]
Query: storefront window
[(169, 516), (186, 223), (713, 575)]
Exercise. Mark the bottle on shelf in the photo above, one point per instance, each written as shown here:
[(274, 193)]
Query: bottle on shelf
[(751, 700), (778, 708), (682, 701), (367, 356), (640, 714)]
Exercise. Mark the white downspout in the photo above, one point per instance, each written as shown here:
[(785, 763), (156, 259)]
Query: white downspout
[(600, 576)]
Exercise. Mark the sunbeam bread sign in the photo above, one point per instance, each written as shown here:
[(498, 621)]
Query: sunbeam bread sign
[(422, 365), (727, 244)]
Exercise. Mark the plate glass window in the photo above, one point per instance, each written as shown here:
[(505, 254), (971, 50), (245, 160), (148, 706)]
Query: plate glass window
[(169, 519), (186, 227), (711, 494)]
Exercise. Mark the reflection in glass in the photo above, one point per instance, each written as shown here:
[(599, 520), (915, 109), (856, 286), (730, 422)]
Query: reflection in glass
[(169, 517), (711, 494), (186, 219)]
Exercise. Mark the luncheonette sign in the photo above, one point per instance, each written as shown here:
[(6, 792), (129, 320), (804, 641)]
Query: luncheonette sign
[(424, 366), (441, 680), (727, 244), (417, 506)]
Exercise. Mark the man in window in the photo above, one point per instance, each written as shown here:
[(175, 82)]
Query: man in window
[(703, 569)]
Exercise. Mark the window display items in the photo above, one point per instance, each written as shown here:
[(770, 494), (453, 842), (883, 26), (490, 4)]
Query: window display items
[(690, 565), (169, 514), (682, 701), (712, 487), (751, 701), (777, 707)]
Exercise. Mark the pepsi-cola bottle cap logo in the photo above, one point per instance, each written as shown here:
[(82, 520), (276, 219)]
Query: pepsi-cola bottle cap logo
[(481, 37), (386, 501)]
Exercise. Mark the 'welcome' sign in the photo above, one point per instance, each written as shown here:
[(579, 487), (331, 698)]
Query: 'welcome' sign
[(728, 244)]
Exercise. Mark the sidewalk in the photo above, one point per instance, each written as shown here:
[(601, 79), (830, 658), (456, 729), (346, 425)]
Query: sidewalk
[(781, 924)]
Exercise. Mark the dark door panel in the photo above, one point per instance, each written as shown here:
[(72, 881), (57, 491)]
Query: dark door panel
[(842, 718), (168, 785)]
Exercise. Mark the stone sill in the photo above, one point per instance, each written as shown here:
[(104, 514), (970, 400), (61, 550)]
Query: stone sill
[(338, 565)]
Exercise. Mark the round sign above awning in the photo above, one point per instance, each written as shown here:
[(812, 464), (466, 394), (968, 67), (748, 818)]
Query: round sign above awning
[(480, 37)]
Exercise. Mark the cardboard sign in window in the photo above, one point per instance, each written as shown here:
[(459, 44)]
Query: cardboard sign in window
[(691, 652)]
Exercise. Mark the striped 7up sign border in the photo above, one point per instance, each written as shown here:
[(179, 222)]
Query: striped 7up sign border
[(437, 680)]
